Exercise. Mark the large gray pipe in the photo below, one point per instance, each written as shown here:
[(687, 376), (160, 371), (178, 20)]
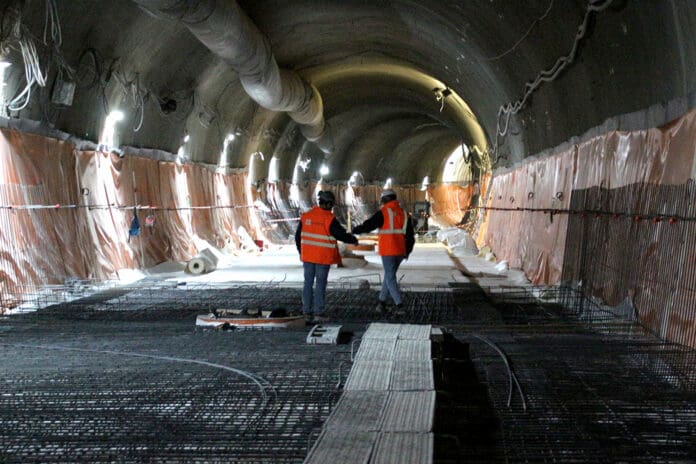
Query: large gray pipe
[(227, 31)]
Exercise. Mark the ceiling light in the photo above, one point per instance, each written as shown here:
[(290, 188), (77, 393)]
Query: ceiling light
[(4, 60), (115, 116), (108, 137), (187, 138), (324, 170), (4, 64)]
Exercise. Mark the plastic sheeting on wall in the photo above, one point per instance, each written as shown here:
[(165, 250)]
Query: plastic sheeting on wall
[(450, 202), (535, 241), (90, 240), (285, 201)]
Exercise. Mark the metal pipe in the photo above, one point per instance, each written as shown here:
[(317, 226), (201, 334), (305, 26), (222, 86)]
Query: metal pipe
[(230, 34)]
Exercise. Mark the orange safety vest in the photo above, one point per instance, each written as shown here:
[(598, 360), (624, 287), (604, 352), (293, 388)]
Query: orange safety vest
[(392, 234), (316, 243)]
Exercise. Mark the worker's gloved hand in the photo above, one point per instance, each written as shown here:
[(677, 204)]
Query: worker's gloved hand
[(355, 240)]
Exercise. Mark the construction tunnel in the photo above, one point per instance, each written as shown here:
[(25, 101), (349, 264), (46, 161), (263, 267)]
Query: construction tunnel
[(156, 157)]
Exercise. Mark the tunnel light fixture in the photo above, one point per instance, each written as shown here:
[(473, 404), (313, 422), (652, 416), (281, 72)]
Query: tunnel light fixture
[(4, 64), (273, 170), (115, 116), (180, 154), (304, 164), (252, 168), (388, 183), (424, 185), (356, 178), (324, 170), (108, 137), (187, 138), (225, 145)]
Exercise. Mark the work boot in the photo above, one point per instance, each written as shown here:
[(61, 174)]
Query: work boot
[(400, 309), (309, 318)]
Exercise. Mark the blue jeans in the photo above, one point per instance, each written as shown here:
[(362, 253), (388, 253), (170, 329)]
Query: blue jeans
[(390, 286), (310, 295)]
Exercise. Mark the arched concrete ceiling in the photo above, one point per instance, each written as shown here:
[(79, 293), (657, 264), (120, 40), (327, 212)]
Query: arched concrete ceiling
[(376, 64)]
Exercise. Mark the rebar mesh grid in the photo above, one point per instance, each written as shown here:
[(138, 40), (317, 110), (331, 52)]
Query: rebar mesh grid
[(103, 391), (588, 399), (597, 387), (345, 303), (594, 385)]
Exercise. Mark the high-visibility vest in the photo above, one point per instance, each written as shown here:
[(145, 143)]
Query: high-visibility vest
[(316, 243), (392, 234)]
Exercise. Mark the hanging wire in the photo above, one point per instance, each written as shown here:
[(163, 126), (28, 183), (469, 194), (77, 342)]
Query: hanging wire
[(20, 38), (132, 90), (53, 20), (526, 34), (548, 75)]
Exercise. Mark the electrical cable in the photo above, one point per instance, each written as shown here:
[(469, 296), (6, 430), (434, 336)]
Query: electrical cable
[(511, 375), (52, 18), (96, 65), (260, 382), (33, 73), (637, 217), (526, 34), (548, 75)]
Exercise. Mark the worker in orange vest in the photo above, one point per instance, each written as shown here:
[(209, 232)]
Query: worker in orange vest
[(316, 239), (396, 240)]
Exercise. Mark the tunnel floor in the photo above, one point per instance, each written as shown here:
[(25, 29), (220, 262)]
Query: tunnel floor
[(124, 376)]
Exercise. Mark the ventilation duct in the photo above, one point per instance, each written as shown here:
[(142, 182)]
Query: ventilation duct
[(228, 32)]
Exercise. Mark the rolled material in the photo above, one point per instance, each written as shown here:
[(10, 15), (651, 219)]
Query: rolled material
[(210, 257), (204, 262), (196, 266)]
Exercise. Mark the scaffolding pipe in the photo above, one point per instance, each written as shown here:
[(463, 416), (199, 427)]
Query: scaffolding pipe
[(230, 34)]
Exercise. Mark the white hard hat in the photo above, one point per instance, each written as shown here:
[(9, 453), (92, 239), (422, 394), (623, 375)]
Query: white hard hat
[(387, 193)]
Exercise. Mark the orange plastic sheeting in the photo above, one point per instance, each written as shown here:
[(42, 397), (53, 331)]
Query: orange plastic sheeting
[(663, 155), (40, 244), (370, 195), (46, 246), (363, 200), (531, 240), (449, 202)]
